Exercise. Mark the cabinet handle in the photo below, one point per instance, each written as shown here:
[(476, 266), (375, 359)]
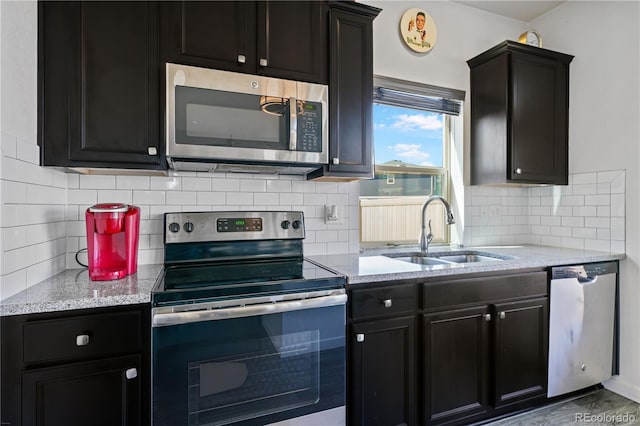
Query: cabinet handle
[(131, 373), (487, 317), (518, 171), (502, 315), (152, 150), (82, 340), (242, 59), (335, 160), (263, 62), (387, 303), (359, 337)]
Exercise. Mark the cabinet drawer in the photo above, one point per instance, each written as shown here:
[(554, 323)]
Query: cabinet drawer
[(484, 290), (82, 337), (383, 301)]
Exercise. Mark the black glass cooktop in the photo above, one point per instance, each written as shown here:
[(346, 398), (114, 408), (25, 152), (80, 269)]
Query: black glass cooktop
[(181, 284)]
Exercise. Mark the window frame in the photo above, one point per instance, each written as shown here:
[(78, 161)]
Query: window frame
[(449, 105)]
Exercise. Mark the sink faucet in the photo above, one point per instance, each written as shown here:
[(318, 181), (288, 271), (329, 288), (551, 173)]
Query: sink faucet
[(425, 238)]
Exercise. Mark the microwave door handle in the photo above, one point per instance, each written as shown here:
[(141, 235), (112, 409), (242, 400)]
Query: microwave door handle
[(293, 124)]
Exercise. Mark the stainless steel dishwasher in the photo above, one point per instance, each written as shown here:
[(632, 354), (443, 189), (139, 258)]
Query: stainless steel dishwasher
[(582, 322)]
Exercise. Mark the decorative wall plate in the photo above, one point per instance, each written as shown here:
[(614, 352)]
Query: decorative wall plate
[(418, 30)]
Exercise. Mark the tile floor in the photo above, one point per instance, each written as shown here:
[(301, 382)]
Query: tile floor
[(601, 407)]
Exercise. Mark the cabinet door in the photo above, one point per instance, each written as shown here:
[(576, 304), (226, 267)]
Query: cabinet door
[(99, 84), (90, 393), (292, 40), (351, 94), (383, 372), (539, 114), (456, 364), (213, 34), (520, 352)]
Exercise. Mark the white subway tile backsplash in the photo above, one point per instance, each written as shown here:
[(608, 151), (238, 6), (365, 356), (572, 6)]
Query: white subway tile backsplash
[(133, 182), (617, 229), (224, 184), (253, 185), (597, 200), (37, 194), (180, 198), (97, 182), (291, 198), (82, 196), (211, 198), (579, 215), (148, 197), (573, 221), (585, 211), (597, 222), (240, 198), (162, 183), (115, 196), (572, 200), (617, 205), (278, 185)]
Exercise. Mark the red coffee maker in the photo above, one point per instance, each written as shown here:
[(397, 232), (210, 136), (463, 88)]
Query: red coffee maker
[(112, 240)]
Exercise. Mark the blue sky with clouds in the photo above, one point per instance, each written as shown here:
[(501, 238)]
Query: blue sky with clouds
[(408, 135)]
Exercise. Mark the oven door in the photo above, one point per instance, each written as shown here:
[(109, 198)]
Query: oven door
[(254, 364)]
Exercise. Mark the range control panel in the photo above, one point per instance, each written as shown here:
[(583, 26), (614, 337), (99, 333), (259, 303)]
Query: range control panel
[(182, 227)]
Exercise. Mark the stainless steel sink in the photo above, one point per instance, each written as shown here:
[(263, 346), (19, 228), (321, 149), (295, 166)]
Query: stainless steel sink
[(422, 260), (468, 258), (447, 258)]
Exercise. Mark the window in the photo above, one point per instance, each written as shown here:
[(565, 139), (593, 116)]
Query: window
[(412, 138)]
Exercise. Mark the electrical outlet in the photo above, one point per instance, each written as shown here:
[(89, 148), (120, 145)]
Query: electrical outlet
[(333, 214)]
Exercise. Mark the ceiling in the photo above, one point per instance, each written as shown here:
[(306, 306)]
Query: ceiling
[(522, 10)]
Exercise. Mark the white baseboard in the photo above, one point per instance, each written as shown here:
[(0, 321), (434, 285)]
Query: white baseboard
[(621, 387)]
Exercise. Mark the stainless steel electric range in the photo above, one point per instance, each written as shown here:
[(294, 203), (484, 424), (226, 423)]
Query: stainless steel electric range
[(245, 329)]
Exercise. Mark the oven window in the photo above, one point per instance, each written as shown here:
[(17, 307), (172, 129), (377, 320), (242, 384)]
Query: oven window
[(282, 374), (257, 369), (219, 118)]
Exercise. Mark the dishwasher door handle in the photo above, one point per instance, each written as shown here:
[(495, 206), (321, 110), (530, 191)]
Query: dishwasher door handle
[(177, 318), (587, 280)]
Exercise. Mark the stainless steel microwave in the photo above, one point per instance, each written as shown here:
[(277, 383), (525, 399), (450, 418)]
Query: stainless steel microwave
[(226, 121)]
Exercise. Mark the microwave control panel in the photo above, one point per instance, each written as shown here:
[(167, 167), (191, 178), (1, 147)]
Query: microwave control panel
[(309, 126)]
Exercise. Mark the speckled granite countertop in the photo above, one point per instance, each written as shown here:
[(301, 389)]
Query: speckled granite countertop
[(72, 289), (371, 266)]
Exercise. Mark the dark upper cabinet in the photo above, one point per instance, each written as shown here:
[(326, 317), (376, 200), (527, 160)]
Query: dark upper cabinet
[(99, 85), (519, 115), (350, 93), (281, 39)]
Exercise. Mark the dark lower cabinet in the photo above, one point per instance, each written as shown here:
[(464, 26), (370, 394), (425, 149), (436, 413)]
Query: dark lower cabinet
[(521, 331), (99, 85), (456, 362), (83, 367), (105, 392), (383, 369), (447, 351)]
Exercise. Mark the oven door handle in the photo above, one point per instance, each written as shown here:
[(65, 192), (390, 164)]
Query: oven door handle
[(177, 318)]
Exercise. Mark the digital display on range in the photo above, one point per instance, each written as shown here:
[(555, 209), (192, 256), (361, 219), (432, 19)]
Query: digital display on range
[(251, 224)]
